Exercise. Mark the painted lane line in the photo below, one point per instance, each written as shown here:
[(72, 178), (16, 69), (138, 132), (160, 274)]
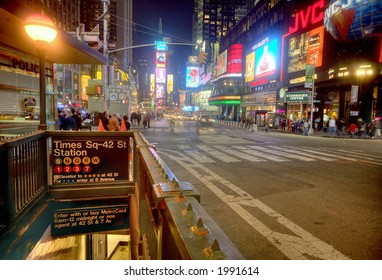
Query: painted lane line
[(295, 247)]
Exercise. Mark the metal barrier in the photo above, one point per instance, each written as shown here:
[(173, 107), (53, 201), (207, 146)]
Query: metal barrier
[(166, 220)]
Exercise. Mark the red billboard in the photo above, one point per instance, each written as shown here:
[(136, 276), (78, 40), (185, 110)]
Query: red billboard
[(234, 58)]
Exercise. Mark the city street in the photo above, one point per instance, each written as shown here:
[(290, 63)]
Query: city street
[(281, 195)]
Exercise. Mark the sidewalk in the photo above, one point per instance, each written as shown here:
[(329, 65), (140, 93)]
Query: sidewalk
[(272, 130)]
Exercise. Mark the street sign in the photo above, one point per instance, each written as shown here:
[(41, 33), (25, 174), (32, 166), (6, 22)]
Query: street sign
[(309, 71)]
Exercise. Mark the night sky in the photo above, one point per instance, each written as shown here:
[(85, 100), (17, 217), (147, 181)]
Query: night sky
[(176, 23)]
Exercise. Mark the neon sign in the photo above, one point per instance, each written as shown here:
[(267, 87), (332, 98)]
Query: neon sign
[(313, 14)]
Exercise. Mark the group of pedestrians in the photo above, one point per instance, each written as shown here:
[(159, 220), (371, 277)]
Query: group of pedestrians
[(70, 119), (137, 117), (114, 122), (359, 128)]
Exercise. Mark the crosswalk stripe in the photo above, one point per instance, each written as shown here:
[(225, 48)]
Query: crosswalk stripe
[(217, 154), (282, 153), (306, 154), (246, 155), (236, 153), (199, 157), (321, 151), (259, 154)]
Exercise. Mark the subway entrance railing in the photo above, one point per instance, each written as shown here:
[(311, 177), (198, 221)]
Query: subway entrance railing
[(92, 183)]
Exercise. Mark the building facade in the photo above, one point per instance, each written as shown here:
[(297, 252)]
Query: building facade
[(291, 46)]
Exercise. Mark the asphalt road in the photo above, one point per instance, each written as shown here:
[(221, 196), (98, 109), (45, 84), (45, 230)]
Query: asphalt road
[(282, 196)]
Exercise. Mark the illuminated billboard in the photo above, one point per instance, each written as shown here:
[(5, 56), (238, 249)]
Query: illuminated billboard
[(234, 58), (192, 77), (266, 57), (305, 48), (160, 59), (159, 91), (221, 64), (160, 75), (152, 82), (170, 83), (250, 67)]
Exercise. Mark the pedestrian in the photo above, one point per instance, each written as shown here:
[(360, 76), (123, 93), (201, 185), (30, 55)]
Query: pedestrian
[(114, 123), (139, 118), (77, 118), (332, 125), (68, 122), (134, 118), (127, 123), (339, 126), (353, 130), (371, 129), (377, 127), (147, 120), (60, 120), (105, 120), (306, 127), (362, 129)]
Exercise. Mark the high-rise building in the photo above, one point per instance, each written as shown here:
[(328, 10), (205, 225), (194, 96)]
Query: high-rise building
[(119, 25), (64, 13), (213, 19)]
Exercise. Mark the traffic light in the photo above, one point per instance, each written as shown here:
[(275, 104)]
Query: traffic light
[(202, 57)]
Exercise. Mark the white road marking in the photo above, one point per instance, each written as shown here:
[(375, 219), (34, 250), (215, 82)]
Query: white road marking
[(260, 154), (295, 247), (281, 153), (217, 154), (290, 149), (246, 156)]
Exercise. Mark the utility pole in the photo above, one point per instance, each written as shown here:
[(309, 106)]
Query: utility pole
[(106, 54)]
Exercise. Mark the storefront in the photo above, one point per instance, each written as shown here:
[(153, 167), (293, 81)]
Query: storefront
[(19, 65)]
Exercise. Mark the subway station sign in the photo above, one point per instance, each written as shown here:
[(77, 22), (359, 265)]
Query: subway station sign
[(92, 160)]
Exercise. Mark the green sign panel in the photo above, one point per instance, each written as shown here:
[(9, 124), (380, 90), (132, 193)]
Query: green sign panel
[(297, 96), (309, 75)]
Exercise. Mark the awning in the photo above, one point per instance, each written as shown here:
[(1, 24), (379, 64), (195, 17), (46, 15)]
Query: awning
[(65, 49)]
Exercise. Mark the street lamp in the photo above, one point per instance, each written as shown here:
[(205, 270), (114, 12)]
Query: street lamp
[(42, 31)]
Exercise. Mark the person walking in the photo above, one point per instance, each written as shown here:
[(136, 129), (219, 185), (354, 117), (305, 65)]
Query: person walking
[(104, 118), (353, 129), (340, 125), (306, 127), (68, 122), (332, 125), (378, 127), (371, 129), (114, 123)]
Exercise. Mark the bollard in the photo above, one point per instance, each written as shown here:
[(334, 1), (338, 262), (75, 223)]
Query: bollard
[(250, 127)]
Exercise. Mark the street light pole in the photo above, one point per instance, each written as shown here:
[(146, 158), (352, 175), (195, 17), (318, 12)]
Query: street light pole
[(42, 31), (42, 125)]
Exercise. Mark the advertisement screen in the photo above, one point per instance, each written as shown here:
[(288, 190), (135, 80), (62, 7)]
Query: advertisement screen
[(170, 83), (234, 59), (221, 64), (159, 91), (250, 67), (266, 57), (305, 48), (160, 75), (192, 77), (160, 59)]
